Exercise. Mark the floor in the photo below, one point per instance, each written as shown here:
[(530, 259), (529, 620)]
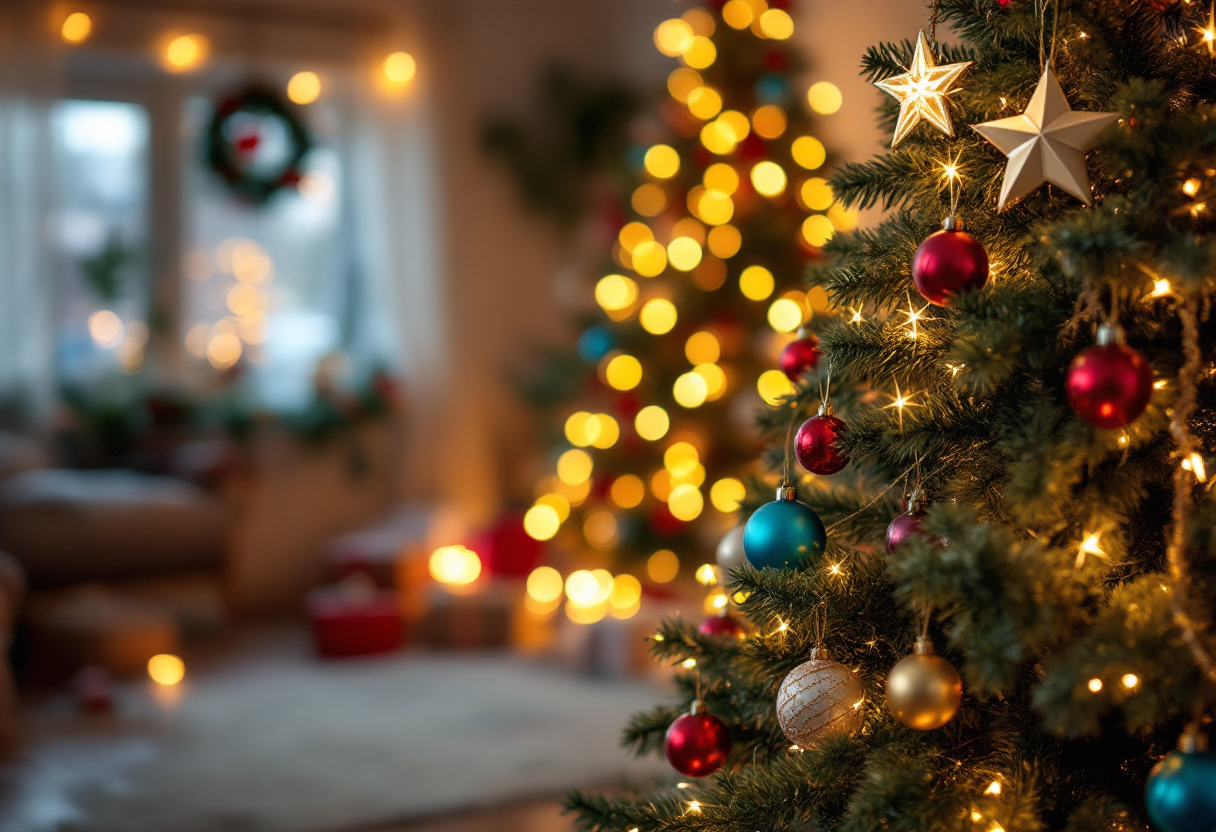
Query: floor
[(262, 737), (530, 816)]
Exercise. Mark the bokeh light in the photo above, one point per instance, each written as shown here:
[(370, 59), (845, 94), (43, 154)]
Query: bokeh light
[(663, 566), (541, 522), (702, 348), (224, 350), (773, 386), (686, 502), (726, 494), (817, 230), (681, 457), (738, 14), (456, 565), (633, 234), (624, 372), (722, 178), (681, 83), (76, 28), (684, 253), (628, 491), (545, 584), (673, 37), (769, 121), (715, 208), (399, 68), (626, 597), (105, 328), (662, 161), (574, 466), (649, 259), (658, 315), (690, 390), (785, 315), (824, 98), (809, 152), (816, 194), (558, 503), (649, 200), (600, 528), (715, 380), (737, 122), (724, 241), (776, 24), (166, 669), (701, 53), (719, 137), (185, 52), (768, 178), (660, 484), (756, 283), (652, 423), (615, 291), (705, 103), (304, 88)]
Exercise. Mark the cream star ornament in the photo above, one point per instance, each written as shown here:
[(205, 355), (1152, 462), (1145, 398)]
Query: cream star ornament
[(1046, 143), (922, 90)]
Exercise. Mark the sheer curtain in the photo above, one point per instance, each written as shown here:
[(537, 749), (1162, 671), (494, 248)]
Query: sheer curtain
[(396, 213), (27, 80)]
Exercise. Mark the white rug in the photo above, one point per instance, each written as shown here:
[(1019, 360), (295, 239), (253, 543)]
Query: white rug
[(276, 742)]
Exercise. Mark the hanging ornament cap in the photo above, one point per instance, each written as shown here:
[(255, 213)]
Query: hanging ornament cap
[(826, 410), (786, 493), (924, 647), (1109, 334), (696, 707), (953, 223)]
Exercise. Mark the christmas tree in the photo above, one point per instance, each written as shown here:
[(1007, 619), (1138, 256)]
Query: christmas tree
[(1021, 644), (698, 282)]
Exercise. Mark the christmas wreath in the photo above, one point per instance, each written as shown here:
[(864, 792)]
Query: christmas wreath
[(255, 143)]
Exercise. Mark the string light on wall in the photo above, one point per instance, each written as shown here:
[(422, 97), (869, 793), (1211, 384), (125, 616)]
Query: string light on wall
[(304, 88), (186, 52), (76, 28), (400, 68)]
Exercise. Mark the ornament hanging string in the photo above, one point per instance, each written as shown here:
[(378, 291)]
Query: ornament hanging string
[(937, 7), (924, 628), (825, 394), (902, 478), (1055, 17)]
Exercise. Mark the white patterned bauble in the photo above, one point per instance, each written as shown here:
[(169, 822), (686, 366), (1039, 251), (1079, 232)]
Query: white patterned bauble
[(730, 549), (819, 698)]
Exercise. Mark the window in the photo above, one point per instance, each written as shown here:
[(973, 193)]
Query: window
[(267, 284), (100, 236)]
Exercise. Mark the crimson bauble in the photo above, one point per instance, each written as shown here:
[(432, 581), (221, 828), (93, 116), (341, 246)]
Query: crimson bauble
[(949, 263), (697, 743), (1109, 385), (723, 625), (800, 356), (906, 525), (816, 444)]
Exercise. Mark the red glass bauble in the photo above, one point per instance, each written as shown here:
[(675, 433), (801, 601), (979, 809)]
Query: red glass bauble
[(724, 626), (800, 356), (1109, 385), (816, 444), (697, 744), (905, 526), (947, 264)]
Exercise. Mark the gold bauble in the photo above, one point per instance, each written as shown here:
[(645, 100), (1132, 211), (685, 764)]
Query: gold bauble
[(924, 690)]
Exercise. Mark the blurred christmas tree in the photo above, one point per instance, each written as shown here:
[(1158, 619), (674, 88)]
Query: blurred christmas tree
[(697, 282), (1057, 544)]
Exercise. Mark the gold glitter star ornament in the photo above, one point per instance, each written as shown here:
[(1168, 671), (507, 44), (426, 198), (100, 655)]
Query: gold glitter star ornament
[(922, 90), (1046, 143)]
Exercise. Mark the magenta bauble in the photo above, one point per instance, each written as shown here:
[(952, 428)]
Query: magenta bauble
[(949, 263), (1109, 385), (817, 443), (697, 743), (906, 525), (723, 625), (800, 356)]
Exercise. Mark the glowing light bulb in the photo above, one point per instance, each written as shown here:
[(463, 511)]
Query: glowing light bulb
[(399, 68), (1130, 680), (166, 669), (76, 28), (304, 87), (1094, 685)]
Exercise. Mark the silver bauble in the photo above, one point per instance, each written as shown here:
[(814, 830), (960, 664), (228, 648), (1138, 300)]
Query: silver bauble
[(730, 550), (818, 699)]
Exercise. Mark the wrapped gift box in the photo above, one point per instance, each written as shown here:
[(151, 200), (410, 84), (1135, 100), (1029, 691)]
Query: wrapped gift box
[(355, 620)]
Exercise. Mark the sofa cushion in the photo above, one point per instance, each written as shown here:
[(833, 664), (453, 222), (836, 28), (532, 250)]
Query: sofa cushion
[(67, 526)]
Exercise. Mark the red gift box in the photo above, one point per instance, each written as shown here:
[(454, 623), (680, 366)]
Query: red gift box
[(506, 550), (358, 622)]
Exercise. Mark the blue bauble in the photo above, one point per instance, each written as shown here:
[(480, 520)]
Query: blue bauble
[(772, 89), (1181, 792), (783, 533), (595, 343)]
